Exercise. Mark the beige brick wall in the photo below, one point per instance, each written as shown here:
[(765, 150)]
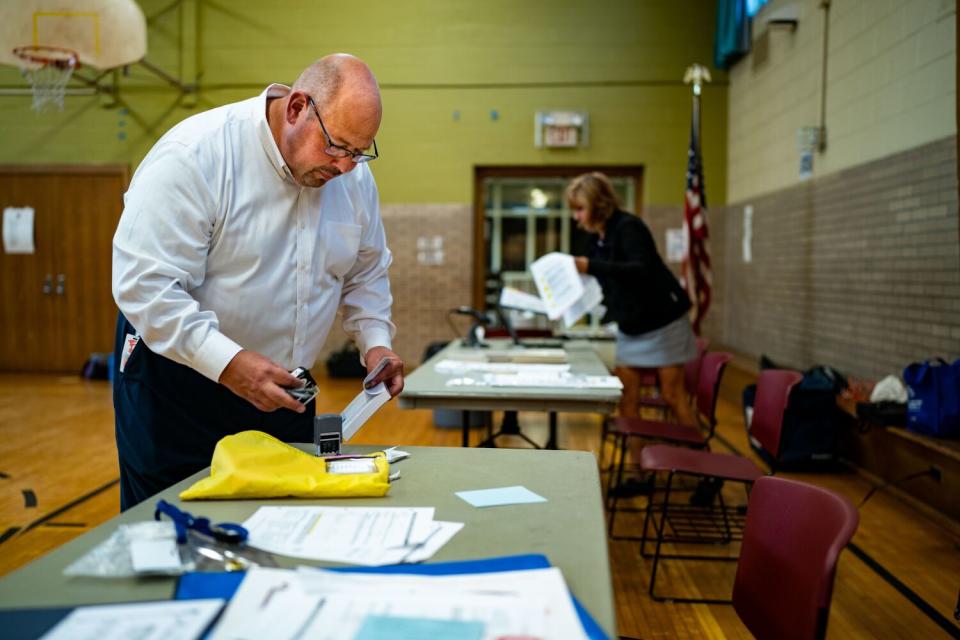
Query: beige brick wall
[(423, 294), (891, 86), (859, 269)]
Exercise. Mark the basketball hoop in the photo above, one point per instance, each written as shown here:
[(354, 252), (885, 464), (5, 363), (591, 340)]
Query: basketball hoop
[(48, 70)]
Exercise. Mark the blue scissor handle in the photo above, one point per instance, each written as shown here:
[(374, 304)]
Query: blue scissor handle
[(223, 532)]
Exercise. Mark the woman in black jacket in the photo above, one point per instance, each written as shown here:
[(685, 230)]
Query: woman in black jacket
[(640, 293)]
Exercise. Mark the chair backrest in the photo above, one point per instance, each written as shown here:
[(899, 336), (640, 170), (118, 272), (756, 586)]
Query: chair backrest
[(792, 538), (773, 393), (708, 386), (691, 370)]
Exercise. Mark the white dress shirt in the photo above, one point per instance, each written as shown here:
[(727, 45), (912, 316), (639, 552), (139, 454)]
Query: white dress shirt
[(219, 250)]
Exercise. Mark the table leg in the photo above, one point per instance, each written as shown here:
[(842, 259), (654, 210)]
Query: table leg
[(465, 421), (552, 441)]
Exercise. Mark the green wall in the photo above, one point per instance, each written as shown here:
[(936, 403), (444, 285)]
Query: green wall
[(461, 83)]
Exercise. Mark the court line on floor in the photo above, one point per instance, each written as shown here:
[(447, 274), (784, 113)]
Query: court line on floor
[(70, 505)]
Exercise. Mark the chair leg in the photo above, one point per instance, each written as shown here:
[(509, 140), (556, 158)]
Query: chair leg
[(646, 522), (660, 530), (612, 498)]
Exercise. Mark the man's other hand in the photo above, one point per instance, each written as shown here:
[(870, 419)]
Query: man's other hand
[(391, 374), (261, 382)]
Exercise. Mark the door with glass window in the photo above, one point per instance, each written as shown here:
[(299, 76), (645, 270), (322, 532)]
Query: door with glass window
[(521, 214)]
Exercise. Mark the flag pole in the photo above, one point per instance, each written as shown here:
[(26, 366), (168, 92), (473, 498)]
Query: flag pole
[(695, 268), (696, 75)]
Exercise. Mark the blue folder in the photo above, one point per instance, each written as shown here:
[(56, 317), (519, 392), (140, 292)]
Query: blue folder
[(192, 586)]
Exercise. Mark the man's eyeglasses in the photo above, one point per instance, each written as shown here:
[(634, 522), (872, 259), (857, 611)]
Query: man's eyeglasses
[(335, 150)]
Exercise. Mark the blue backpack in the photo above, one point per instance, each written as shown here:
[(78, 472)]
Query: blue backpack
[(933, 405)]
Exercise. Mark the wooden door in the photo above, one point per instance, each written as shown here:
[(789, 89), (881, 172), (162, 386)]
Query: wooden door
[(57, 303)]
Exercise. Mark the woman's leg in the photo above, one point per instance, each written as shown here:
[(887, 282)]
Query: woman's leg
[(671, 388), (630, 399)]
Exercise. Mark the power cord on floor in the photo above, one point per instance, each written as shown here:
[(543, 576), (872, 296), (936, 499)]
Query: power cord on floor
[(932, 471)]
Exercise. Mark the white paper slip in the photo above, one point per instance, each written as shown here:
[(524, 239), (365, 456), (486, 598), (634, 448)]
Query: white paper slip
[(351, 465), (168, 620), (500, 496), (362, 407), (155, 556)]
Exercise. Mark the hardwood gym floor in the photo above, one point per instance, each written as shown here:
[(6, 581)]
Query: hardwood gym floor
[(58, 475)]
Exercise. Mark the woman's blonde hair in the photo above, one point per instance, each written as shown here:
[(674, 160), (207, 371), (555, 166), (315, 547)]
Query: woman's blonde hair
[(594, 192)]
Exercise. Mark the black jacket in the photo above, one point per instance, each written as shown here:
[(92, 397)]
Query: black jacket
[(639, 291)]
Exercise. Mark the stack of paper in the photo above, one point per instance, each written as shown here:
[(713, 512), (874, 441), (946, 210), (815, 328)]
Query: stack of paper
[(370, 536), (313, 603)]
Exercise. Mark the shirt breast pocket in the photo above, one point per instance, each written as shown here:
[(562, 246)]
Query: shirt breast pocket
[(341, 241)]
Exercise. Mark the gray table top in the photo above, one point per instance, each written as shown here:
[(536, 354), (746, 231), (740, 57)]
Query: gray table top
[(427, 389), (568, 528)]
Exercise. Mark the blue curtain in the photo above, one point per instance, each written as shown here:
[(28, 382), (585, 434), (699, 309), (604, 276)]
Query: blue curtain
[(732, 39)]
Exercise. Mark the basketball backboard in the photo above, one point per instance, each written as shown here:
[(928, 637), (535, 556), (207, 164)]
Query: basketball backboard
[(104, 34)]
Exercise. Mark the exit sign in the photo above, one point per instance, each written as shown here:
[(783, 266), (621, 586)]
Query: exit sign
[(560, 136)]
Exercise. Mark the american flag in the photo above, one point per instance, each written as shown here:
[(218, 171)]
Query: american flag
[(695, 269)]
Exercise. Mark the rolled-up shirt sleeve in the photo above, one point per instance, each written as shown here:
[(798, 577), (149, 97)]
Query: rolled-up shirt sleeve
[(366, 299), (160, 254)]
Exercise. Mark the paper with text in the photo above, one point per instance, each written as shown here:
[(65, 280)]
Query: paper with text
[(558, 282), (171, 620)]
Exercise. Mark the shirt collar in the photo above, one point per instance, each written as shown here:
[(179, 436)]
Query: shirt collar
[(264, 133)]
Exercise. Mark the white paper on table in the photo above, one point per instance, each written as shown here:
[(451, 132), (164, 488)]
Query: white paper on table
[(458, 367), (517, 299), (590, 300), (270, 603), (168, 620), (440, 535), (362, 407), (558, 282), (18, 230), (369, 536), (533, 603), (564, 380)]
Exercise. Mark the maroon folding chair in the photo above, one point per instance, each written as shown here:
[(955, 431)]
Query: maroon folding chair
[(686, 523), (691, 378), (788, 558), (629, 430)]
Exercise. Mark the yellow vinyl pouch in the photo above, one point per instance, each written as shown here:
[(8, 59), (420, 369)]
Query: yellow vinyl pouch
[(253, 464)]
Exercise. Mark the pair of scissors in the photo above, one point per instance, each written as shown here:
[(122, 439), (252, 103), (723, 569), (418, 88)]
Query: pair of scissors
[(226, 532)]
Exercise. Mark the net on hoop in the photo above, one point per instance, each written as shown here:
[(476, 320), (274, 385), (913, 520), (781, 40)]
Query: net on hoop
[(48, 70)]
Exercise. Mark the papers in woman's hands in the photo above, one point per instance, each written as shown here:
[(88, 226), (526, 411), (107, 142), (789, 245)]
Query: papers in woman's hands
[(370, 536), (565, 292), (313, 603)]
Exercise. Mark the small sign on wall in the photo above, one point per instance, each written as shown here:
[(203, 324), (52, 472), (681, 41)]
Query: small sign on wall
[(18, 230), (675, 245), (747, 248)]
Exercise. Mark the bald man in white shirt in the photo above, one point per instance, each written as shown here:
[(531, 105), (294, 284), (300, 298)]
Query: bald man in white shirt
[(244, 230)]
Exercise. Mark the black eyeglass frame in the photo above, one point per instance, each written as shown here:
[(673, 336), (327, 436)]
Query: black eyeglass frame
[(337, 151)]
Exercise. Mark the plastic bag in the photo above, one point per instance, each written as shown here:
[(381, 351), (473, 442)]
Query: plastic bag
[(253, 464)]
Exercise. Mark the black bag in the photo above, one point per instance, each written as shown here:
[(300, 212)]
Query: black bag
[(345, 363), (811, 422)]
